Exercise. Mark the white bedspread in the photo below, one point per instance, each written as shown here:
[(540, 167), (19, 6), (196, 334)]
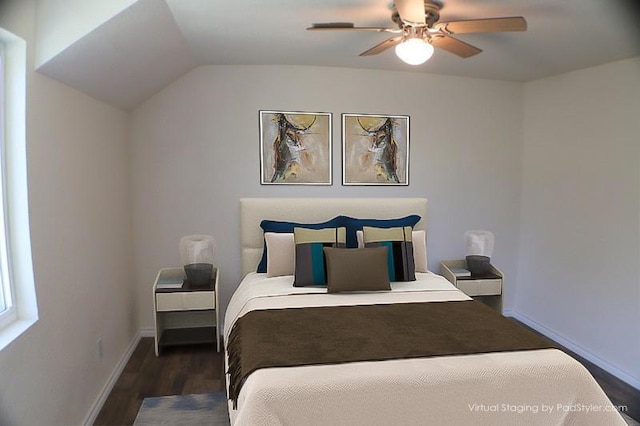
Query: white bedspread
[(543, 387)]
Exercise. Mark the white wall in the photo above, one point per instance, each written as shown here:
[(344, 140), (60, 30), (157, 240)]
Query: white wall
[(80, 229), (579, 274), (60, 23), (196, 152)]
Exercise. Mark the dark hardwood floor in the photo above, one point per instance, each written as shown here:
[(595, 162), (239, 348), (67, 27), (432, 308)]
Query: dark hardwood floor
[(199, 369), (179, 370), (619, 392)]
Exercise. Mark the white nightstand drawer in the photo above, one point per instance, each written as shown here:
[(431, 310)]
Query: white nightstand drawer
[(199, 300), (185, 301), (480, 287), (169, 301)]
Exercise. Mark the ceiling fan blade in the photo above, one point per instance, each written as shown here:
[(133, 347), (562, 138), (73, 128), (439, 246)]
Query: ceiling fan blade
[(490, 25), (411, 11), (455, 46), (381, 47), (332, 26)]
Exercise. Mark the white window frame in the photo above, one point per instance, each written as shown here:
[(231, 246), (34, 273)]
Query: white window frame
[(17, 280), (7, 307)]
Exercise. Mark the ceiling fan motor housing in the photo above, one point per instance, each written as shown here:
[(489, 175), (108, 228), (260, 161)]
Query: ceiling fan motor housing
[(431, 13)]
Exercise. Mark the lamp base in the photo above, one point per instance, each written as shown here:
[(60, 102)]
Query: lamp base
[(199, 274), (478, 265)]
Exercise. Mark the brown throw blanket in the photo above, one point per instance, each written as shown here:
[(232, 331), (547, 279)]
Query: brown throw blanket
[(339, 334)]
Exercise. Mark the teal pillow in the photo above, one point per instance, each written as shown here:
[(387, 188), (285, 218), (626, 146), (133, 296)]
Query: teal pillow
[(311, 267), (398, 241)]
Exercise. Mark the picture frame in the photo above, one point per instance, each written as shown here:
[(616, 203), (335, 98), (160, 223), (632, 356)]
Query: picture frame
[(295, 148), (375, 149)]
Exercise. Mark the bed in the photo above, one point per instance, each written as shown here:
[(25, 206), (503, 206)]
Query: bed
[(538, 386)]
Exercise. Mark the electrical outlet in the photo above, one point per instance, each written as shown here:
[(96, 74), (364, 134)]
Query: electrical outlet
[(99, 348)]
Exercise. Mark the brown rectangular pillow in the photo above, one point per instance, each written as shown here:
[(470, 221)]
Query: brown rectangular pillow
[(363, 269)]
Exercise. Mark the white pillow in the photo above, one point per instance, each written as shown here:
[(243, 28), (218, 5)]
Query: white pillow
[(419, 240), (281, 250)]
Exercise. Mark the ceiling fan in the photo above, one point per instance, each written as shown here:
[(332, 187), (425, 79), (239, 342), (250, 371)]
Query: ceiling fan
[(419, 31)]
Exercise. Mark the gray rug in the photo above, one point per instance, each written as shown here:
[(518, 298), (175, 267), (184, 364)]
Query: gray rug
[(199, 409)]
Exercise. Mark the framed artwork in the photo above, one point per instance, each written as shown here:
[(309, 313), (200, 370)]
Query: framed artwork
[(375, 149), (295, 148)]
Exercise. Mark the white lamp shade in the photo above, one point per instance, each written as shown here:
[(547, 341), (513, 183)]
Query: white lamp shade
[(479, 243), (197, 249), (414, 51)]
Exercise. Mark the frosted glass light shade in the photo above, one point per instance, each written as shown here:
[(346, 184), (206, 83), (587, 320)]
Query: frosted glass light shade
[(414, 51), (479, 243)]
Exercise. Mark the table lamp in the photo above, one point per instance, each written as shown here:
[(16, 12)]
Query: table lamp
[(479, 248), (196, 252)]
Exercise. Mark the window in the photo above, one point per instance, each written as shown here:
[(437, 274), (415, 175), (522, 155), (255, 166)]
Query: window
[(18, 306), (7, 310), (6, 305)]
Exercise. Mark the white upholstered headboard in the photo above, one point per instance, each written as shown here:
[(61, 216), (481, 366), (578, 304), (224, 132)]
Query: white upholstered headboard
[(311, 210)]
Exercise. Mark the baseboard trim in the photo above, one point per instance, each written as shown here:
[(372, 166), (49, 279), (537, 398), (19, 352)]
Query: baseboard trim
[(574, 347), (147, 332), (111, 381)]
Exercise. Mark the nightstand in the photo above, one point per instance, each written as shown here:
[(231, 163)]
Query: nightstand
[(186, 314), (486, 289)]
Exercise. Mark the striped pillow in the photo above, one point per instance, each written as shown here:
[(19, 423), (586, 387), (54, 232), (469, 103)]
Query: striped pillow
[(311, 266), (419, 242), (400, 250)]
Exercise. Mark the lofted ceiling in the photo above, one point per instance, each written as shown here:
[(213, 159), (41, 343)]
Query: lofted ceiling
[(153, 42)]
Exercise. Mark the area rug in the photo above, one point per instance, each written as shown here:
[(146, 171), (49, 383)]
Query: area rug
[(197, 409)]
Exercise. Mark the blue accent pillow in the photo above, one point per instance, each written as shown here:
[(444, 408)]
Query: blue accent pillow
[(353, 225), (287, 227)]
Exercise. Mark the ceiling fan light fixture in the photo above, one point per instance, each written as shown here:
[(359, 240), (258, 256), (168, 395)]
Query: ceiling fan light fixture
[(414, 51)]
